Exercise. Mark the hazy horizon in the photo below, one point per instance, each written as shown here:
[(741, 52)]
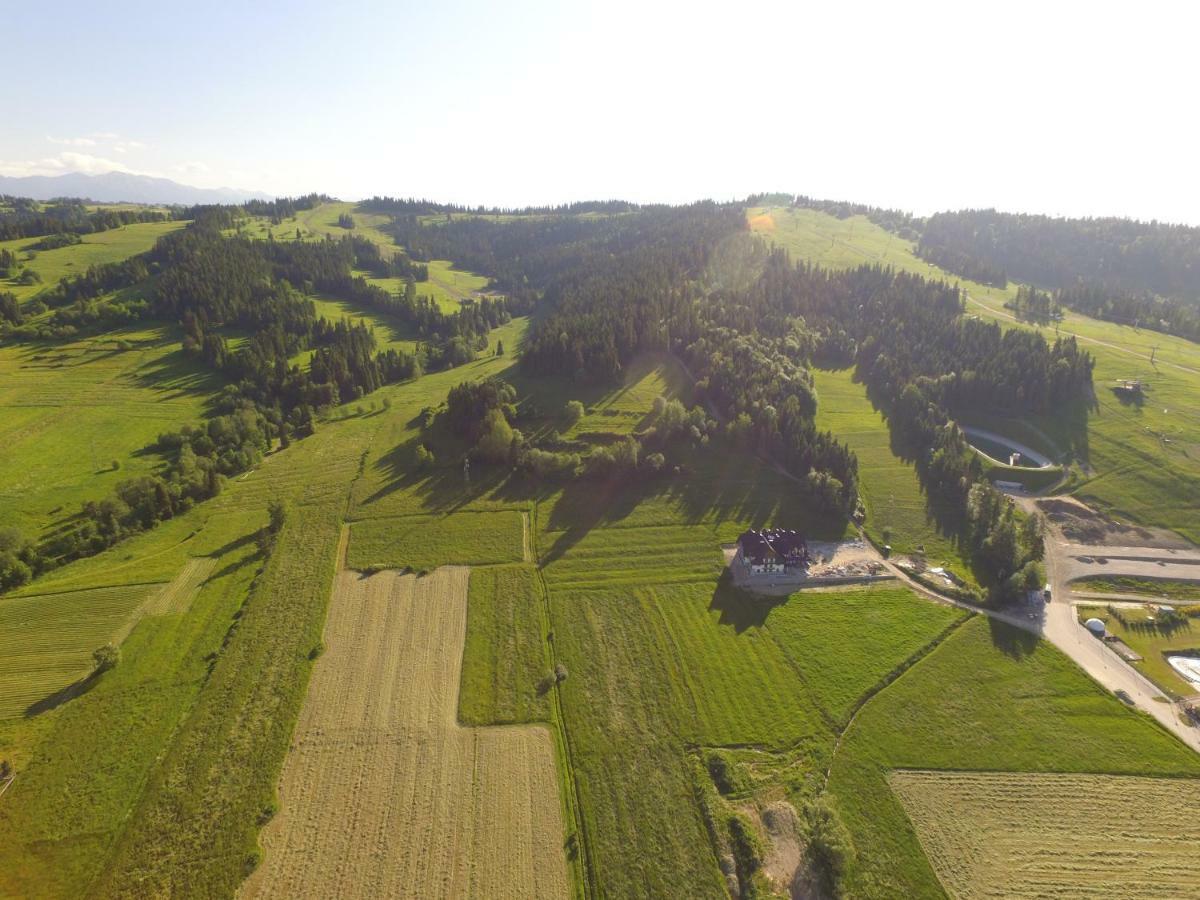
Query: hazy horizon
[(1064, 110)]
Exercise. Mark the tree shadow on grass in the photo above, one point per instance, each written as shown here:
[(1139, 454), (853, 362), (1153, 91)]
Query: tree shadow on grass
[(63, 695), (1011, 640), (741, 609)]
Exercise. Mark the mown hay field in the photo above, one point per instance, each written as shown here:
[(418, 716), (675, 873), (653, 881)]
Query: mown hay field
[(46, 640), (426, 542), (383, 793), (1016, 834)]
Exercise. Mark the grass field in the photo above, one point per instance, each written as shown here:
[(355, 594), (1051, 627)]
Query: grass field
[(156, 780), (989, 698), (384, 792), (1039, 835), (505, 660), (180, 746), (68, 411), (1175, 591), (1150, 640), (447, 285), (46, 640), (103, 247), (1140, 461), (389, 333), (83, 766), (844, 642), (898, 512), (426, 542)]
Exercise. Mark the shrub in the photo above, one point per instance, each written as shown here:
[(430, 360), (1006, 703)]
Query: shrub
[(105, 658), (721, 773), (573, 411), (829, 846)]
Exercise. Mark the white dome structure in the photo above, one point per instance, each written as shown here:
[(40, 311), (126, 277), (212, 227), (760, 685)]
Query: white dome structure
[(1095, 626)]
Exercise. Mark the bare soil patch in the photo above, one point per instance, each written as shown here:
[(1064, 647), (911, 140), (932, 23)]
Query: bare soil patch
[(1080, 524), (383, 793), (786, 854)]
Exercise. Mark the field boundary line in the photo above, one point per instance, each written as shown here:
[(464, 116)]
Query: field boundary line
[(889, 679), (99, 587), (583, 865)]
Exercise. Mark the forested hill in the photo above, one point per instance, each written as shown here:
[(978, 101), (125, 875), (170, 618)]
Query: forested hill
[(1122, 255), (749, 323)]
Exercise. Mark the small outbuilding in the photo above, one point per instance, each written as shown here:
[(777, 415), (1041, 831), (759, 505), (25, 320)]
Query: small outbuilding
[(1095, 626)]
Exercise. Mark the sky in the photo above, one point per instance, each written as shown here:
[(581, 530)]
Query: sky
[(1054, 107)]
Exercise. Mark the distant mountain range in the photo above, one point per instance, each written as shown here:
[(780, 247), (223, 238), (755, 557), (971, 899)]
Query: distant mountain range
[(117, 187)]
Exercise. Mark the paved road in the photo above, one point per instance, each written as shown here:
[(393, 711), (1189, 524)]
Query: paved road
[(1061, 627), (1082, 560)]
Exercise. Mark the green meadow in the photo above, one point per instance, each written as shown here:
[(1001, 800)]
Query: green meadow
[(155, 777), (506, 662), (423, 543), (1138, 460), (898, 512), (988, 698), (448, 285), (113, 245), (179, 746), (75, 417)]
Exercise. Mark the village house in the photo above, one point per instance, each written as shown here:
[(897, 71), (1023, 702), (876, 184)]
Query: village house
[(772, 551)]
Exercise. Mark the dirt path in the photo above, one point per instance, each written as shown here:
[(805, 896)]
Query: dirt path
[(383, 793)]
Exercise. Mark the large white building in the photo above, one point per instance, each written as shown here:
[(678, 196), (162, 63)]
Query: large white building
[(772, 551)]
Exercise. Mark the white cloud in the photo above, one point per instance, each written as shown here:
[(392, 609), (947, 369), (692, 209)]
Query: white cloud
[(92, 165), (73, 142), (192, 167), (67, 161), (109, 139)]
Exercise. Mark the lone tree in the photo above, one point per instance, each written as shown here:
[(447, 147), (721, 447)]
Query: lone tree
[(276, 517), (105, 658), (573, 411)]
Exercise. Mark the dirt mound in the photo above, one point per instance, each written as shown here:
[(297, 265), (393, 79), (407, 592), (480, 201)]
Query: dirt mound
[(1080, 524)]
